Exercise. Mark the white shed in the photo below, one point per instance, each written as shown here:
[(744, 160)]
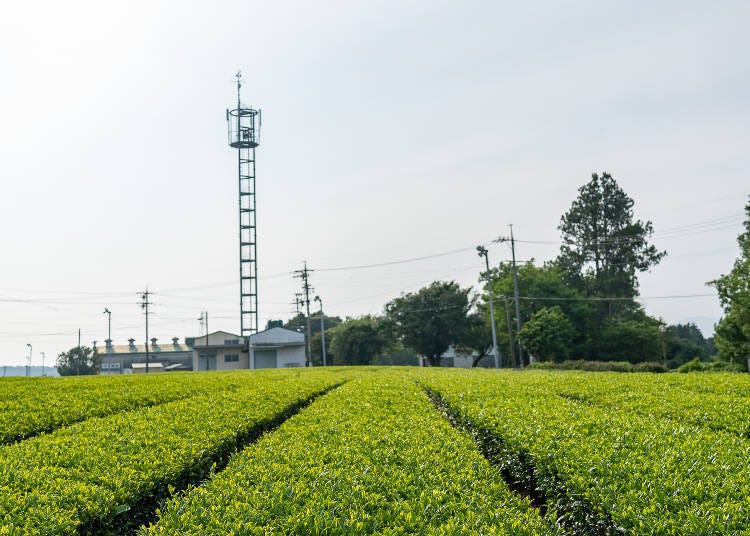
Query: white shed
[(277, 348)]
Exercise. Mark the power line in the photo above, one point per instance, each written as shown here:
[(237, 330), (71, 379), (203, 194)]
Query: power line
[(401, 261), (403, 289)]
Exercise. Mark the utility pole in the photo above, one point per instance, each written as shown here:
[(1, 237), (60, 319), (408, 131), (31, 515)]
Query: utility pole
[(144, 305), (43, 370), (28, 366), (298, 301), (322, 329), (304, 275), (482, 252), (512, 241), (510, 334)]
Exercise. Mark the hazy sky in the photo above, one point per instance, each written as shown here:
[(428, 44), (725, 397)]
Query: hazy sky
[(392, 130)]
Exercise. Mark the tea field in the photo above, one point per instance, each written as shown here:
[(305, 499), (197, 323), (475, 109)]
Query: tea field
[(376, 451)]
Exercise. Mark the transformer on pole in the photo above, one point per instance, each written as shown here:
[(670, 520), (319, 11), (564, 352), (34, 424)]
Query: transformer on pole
[(243, 124)]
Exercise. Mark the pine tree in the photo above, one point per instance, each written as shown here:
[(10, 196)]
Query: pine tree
[(604, 247)]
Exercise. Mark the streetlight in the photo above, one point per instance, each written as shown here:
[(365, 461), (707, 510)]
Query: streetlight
[(482, 252), (109, 327), (28, 367), (322, 329)]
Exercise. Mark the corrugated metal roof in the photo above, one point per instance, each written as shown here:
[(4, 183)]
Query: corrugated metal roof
[(277, 336), (141, 349)]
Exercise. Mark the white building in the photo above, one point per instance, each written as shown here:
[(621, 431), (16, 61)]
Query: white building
[(277, 348), (272, 348)]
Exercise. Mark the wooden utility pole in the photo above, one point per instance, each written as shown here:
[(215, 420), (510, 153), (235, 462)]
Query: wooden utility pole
[(304, 275)]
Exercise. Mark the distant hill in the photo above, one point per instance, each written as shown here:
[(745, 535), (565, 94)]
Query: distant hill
[(21, 371)]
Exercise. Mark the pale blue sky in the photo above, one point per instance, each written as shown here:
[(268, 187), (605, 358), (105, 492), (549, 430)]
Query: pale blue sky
[(391, 130)]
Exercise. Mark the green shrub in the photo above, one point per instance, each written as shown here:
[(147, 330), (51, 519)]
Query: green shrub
[(616, 449), (650, 366), (581, 364), (373, 457)]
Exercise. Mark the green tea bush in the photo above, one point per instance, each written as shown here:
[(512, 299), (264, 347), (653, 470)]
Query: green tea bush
[(80, 478), (651, 475), (373, 457)]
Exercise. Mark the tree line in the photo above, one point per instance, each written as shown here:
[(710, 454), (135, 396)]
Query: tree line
[(581, 305)]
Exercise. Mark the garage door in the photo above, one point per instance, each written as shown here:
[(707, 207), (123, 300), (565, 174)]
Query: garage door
[(265, 358)]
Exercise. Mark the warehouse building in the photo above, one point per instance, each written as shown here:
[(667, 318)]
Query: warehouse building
[(220, 350), (127, 358), (272, 348)]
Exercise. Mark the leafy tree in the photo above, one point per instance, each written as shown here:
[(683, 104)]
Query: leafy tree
[(431, 319), (357, 341), (604, 247), (636, 339), (733, 330), (274, 324), (548, 334), (476, 338), (330, 322), (542, 287), (299, 323), (685, 342), (78, 361)]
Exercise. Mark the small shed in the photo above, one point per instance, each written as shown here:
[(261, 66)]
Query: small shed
[(276, 348)]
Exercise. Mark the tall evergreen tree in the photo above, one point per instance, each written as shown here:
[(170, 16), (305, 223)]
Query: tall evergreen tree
[(604, 246)]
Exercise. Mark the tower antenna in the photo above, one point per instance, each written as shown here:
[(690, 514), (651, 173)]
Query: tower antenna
[(243, 126)]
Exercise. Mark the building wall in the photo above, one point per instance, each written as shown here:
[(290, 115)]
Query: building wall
[(222, 363), (121, 362), (218, 338), (220, 359), (290, 356)]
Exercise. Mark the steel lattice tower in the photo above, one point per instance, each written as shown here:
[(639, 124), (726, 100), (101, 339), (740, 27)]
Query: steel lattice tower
[(243, 124)]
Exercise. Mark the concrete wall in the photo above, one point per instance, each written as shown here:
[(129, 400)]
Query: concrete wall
[(219, 338), (290, 356), (223, 364), (220, 362)]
